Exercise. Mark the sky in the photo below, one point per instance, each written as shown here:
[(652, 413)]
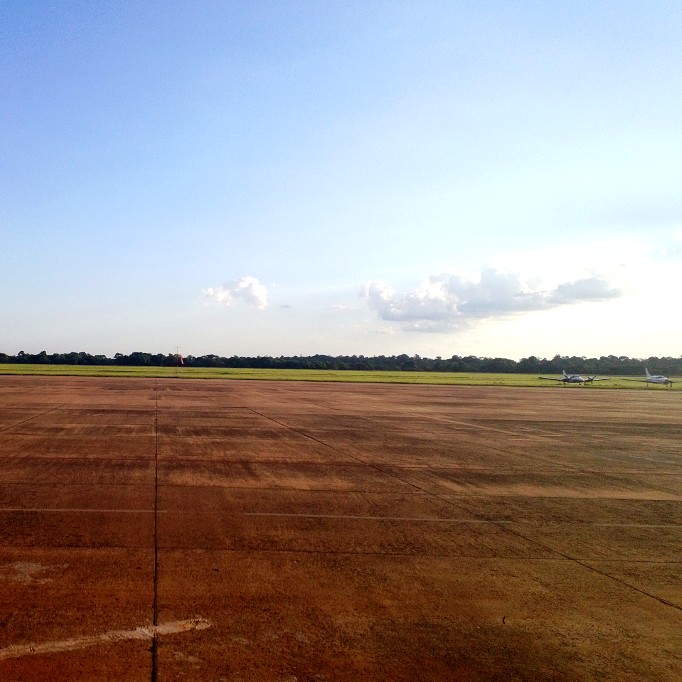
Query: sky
[(348, 178)]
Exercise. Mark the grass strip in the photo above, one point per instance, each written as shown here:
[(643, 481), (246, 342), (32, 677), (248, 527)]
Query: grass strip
[(391, 377)]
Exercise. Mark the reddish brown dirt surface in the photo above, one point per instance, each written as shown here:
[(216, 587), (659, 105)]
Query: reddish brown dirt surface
[(338, 531)]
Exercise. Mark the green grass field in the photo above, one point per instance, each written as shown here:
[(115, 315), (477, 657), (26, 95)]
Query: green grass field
[(442, 378)]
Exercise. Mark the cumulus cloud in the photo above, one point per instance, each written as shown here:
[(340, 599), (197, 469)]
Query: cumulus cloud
[(248, 290), (590, 289), (448, 302)]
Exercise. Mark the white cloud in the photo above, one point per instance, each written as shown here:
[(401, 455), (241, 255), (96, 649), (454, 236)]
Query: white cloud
[(584, 290), (449, 302), (248, 290)]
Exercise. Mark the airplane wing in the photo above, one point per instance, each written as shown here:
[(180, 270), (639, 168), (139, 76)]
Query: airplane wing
[(551, 379), (600, 379)]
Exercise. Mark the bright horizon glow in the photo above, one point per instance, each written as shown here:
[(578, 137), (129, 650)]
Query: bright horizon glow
[(262, 179)]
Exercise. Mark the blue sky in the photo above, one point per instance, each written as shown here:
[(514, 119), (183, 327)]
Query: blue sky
[(267, 178)]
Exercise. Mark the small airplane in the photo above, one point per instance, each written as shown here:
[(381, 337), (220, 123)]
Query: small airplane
[(574, 378), (654, 379)]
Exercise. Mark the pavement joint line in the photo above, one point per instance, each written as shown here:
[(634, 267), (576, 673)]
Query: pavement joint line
[(340, 552), (155, 599), (336, 516), (65, 510), (455, 520), (637, 525), (372, 518), (143, 632), (35, 416)]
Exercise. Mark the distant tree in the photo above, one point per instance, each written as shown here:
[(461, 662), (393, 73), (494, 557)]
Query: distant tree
[(529, 365), (138, 359), (605, 365)]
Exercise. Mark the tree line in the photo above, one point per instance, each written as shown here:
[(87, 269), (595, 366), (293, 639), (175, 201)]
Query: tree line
[(605, 365)]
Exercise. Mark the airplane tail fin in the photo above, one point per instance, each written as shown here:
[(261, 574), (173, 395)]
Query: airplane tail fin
[(647, 373), (563, 371)]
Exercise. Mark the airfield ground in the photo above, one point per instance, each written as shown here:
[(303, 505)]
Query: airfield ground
[(159, 529)]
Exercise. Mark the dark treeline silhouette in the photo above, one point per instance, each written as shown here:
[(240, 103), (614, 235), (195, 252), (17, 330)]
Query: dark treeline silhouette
[(605, 365)]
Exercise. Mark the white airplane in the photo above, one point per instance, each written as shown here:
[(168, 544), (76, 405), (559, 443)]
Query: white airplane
[(654, 379), (574, 379)]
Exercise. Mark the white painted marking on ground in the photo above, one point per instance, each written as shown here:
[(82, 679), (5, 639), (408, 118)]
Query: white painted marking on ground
[(81, 511), (144, 632), (27, 572), (449, 520), (374, 518), (638, 525)]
